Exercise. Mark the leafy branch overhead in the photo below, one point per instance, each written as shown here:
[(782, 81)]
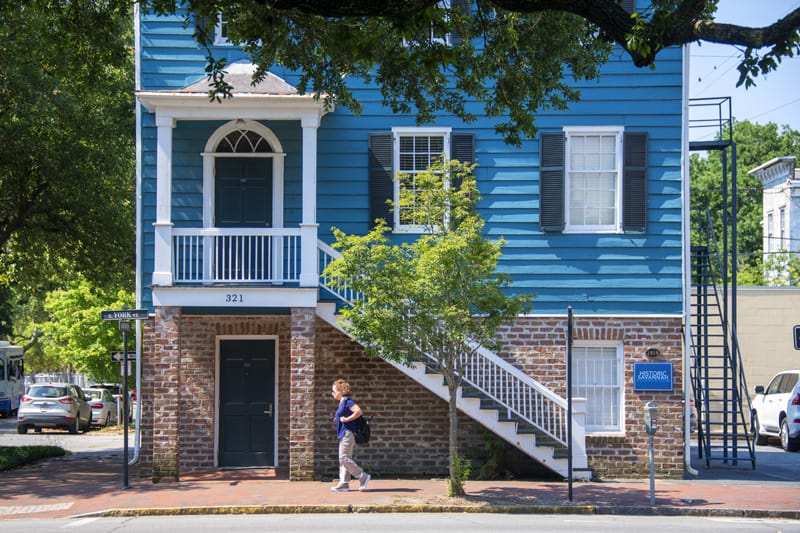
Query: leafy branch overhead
[(428, 56)]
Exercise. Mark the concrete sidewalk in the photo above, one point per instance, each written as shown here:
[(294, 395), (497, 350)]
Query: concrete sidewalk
[(91, 484)]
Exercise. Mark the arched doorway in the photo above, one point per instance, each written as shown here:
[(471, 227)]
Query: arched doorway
[(243, 177)]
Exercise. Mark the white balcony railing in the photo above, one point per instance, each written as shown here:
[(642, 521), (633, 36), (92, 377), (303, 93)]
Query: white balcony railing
[(237, 255)]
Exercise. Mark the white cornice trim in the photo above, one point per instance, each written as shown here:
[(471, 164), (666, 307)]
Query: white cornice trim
[(197, 106)]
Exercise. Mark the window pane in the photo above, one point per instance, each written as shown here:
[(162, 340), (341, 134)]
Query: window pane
[(417, 154), (593, 180), (596, 377)]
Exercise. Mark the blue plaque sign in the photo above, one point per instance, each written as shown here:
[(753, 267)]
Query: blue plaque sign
[(652, 376)]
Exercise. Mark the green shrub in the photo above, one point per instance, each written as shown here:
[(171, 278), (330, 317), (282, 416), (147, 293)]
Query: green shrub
[(461, 468), (14, 456)]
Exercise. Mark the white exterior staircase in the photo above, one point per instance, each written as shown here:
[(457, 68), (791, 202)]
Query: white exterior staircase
[(497, 395)]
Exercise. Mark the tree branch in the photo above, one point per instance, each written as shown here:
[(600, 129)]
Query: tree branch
[(778, 32)]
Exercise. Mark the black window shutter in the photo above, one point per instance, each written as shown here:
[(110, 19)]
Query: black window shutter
[(462, 148), (464, 6), (380, 177), (628, 5), (203, 24), (551, 182), (634, 182)]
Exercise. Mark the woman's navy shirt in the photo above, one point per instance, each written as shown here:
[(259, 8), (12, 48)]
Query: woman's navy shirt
[(344, 410)]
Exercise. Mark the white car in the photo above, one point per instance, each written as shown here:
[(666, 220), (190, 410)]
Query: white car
[(104, 406), (776, 410), (54, 405)]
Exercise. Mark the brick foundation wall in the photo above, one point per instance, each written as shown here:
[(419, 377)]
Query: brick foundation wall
[(538, 346), (410, 423)]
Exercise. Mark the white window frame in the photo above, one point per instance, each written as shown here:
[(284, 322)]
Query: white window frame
[(576, 131), (591, 427), (220, 35), (397, 133), (447, 40), (770, 232), (782, 227)]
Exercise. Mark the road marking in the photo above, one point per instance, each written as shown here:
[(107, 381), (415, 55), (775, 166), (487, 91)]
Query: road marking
[(82, 522), (26, 509)]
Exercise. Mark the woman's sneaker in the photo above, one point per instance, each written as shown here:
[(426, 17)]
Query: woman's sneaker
[(341, 487), (363, 480)]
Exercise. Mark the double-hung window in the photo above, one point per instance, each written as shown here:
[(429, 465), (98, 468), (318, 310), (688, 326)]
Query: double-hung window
[(415, 150), (597, 375), (408, 151), (221, 31), (593, 179)]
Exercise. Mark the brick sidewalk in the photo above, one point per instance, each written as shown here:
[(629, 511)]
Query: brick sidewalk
[(92, 484)]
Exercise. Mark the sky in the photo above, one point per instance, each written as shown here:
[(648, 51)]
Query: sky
[(713, 73)]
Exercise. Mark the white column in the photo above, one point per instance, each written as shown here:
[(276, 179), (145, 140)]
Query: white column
[(579, 458), (309, 275), (162, 269)]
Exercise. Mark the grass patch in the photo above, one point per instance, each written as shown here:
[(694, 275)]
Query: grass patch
[(14, 456)]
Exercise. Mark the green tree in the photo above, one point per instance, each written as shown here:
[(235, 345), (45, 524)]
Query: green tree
[(783, 269), (439, 295), (756, 144), (428, 55), (75, 337), (66, 140)]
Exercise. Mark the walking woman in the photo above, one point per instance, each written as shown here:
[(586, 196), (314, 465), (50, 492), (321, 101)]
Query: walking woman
[(345, 419)]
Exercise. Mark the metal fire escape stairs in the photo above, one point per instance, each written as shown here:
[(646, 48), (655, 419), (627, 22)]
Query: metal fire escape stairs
[(719, 385), (497, 395)]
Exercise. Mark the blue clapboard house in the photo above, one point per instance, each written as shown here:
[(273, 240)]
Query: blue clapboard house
[(236, 204)]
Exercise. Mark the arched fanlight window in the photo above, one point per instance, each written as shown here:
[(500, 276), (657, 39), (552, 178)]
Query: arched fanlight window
[(243, 141)]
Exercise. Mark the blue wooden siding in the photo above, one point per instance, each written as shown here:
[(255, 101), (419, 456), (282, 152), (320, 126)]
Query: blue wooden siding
[(594, 273)]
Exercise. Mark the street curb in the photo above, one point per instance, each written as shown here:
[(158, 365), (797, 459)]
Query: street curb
[(425, 508)]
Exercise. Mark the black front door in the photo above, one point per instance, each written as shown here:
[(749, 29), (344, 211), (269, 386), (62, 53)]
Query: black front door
[(247, 403), (243, 196)]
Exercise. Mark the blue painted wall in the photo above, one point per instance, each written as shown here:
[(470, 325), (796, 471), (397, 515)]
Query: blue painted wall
[(594, 273)]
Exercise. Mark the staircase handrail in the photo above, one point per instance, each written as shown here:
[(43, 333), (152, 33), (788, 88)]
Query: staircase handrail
[(326, 255), (521, 395), (541, 407)]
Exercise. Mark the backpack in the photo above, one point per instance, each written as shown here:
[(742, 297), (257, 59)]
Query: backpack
[(362, 431)]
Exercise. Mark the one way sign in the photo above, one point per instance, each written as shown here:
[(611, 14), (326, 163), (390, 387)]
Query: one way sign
[(118, 357)]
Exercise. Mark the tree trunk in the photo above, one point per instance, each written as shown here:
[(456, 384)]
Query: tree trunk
[(456, 469)]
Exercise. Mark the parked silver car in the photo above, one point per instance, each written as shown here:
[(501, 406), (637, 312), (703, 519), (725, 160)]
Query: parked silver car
[(54, 405), (104, 406), (776, 410)]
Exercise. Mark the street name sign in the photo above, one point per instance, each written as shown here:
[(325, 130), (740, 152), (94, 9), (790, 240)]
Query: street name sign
[(124, 314)]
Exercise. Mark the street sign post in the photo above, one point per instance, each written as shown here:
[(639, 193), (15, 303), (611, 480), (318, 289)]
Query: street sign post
[(124, 317)]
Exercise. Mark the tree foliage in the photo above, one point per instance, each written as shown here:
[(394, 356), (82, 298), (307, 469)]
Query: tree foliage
[(66, 140), (439, 295), (429, 56), (756, 144), (75, 338), (783, 269)]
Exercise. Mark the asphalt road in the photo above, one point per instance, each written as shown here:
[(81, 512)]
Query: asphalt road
[(416, 522), (92, 442)]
